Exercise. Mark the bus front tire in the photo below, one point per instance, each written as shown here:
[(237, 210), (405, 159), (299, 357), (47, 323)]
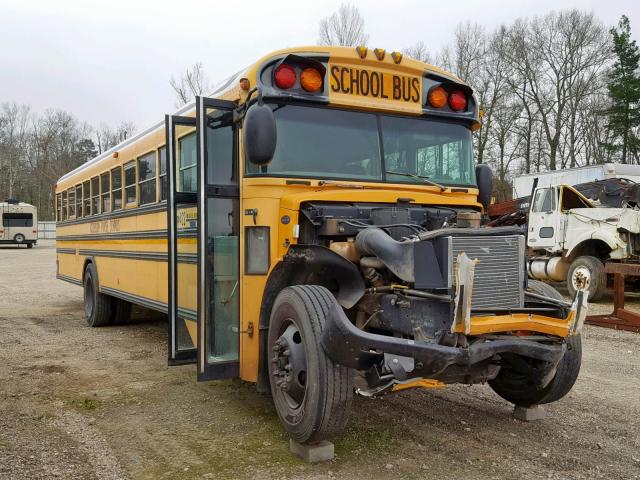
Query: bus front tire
[(97, 306), (312, 394), (525, 383)]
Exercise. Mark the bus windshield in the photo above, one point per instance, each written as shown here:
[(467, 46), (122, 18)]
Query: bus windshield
[(339, 144)]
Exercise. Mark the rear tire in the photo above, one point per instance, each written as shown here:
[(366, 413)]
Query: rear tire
[(121, 312), (311, 393), (29, 245), (19, 238), (593, 268), (97, 306), (522, 382)]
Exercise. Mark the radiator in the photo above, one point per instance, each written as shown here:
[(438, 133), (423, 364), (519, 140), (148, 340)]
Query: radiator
[(499, 274)]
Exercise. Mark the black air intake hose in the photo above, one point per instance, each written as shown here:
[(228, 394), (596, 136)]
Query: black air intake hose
[(397, 256)]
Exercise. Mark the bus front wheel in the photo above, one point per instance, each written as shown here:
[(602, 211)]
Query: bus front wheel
[(311, 393), (97, 306)]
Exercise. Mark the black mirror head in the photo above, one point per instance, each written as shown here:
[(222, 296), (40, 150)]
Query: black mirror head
[(259, 134), (484, 177)]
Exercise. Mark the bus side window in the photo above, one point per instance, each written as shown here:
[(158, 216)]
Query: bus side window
[(64, 206), (116, 188), (85, 199), (147, 178), (162, 157), (130, 182), (59, 207), (95, 196), (72, 202), (79, 201), (105, 192)]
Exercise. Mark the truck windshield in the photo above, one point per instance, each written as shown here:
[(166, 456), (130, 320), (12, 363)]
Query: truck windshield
[(338, 144)]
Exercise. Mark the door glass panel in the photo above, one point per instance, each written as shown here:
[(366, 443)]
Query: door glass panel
[(220, 146), (187, 165), (187, 281), (222, 258)]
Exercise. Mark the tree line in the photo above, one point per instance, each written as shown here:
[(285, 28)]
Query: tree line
[(36, 150), (555, 91)]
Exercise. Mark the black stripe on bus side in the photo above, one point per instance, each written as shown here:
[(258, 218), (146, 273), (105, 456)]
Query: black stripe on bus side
[(69, 279), (153, 256), (148, 302), (128, 212), (71, 251), (141, 235), (117, 235)]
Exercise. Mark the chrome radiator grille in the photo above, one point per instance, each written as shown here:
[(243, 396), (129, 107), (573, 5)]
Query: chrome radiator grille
[(499, 274)]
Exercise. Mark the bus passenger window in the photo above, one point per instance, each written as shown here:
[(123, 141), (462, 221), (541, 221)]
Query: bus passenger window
[(59, 206), (162, 153), (64, 206), (116, 188), (85, 199), (95, 196), (78, 201), (130, 182), (105, 192), (147, 178), (72, 202)]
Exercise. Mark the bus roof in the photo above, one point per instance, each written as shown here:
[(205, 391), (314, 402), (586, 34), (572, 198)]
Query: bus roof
[(229, 88)]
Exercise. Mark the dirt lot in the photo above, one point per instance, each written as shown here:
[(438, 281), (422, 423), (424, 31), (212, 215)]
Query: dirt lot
[(85, 403)]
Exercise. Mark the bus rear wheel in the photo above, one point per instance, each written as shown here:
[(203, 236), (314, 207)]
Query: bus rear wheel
[(97, 306), (19, 239), (311, 393)]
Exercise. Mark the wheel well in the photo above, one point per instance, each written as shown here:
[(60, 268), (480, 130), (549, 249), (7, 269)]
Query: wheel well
[(87, 262), (306, 265), (593, 248)]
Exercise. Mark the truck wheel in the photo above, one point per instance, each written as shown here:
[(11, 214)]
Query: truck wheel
[(97, 306), (19, 238), (523, 381), (120, 312), (311, 393), (29, 245), (593, 269)]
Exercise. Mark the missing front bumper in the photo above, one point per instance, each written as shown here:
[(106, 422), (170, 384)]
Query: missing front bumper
[(354, 348)]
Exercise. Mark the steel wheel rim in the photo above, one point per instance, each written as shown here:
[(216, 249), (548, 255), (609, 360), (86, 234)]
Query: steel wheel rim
[(579, 273), (289, 362)]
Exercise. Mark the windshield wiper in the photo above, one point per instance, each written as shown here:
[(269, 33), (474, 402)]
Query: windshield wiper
[(422, 178)]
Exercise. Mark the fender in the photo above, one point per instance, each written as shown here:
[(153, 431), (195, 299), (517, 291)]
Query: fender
[(603, 235), (307, 264)]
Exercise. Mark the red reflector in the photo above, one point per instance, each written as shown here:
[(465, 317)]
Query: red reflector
[(457, 101), (285, 76)]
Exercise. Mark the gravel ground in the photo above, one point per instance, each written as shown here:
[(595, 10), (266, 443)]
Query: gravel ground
[(82, 403)]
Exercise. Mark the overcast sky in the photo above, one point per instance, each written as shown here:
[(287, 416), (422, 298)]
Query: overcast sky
[(108, 61)]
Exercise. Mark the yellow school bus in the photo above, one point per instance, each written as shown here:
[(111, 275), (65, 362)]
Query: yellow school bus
[(316, 225)]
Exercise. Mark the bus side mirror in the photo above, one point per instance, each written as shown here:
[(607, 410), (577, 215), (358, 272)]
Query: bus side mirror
[(484, 177), (259, 134)]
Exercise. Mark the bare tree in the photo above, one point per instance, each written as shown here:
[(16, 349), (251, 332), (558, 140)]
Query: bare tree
[(419, 51), (108, 137), (553, 54), (344, 27), (191, 83)]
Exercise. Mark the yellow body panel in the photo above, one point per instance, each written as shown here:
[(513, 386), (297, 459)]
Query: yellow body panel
[(130, 246)]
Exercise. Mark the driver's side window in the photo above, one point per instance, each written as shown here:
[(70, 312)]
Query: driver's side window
[(545, 200)]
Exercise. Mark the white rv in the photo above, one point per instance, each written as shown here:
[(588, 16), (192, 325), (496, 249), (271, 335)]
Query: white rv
[(18, 223)]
